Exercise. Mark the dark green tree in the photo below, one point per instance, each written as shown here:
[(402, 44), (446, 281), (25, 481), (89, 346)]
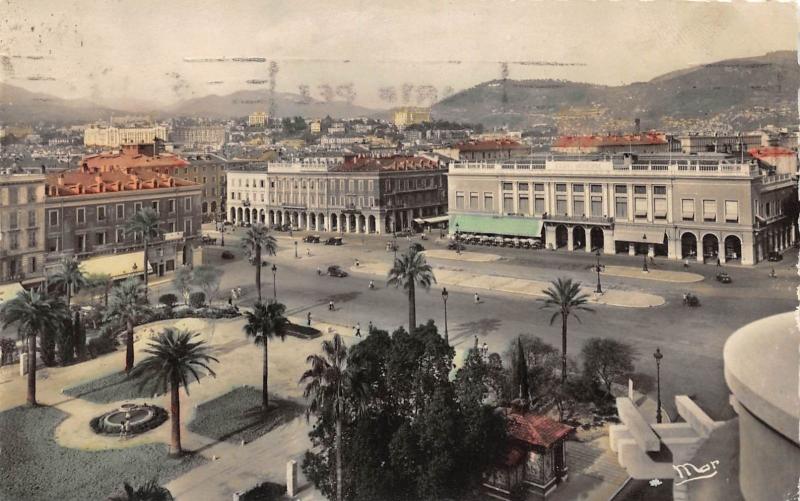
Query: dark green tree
[(607, 361), (264, 323), (148, 491), (565, 296), (521, 373), (410, 270)]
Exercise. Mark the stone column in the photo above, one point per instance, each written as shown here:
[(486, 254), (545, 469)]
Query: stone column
[(631, 249), (651, 250), (608, 242), (721, 251), (291, 478), (587, 246), (550, 236), (570, 240)]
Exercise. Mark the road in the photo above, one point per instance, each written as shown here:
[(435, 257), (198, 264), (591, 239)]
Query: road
[(691, 339)]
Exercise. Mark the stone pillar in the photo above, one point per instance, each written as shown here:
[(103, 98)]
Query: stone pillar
[(23, 364), (791, 234), (608, 242), (721, 251), (550, 236), (570, 240), (631, 249), (587, 246), (291, 478), (651, 250)]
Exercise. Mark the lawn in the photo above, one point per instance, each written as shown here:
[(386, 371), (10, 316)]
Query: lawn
[(237, 415), (114, 388), (34, 467)]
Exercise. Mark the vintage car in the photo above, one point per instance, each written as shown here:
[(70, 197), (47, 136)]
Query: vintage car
[(311, 239), (336, 271), (723, 277), (334, 241)]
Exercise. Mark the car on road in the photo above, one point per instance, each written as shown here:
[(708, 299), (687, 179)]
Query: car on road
[(227, 255), (690, 299), (453, 245), (723, 277), (336, 271), (334, 241), (311, 239), (775, 256)]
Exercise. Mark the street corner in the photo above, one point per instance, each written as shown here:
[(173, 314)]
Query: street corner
[(477, 257)]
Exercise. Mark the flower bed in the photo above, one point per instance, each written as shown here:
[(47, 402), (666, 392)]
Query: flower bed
[(36, 468), (155, 417)]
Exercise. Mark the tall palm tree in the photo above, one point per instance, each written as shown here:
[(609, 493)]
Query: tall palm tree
[(263, 324), (148, 491), (173, 357), (410, 270), (566, 296), (255, 241), (127, 305), (69, 277), (335, 389), (35, 315), (145, 223)]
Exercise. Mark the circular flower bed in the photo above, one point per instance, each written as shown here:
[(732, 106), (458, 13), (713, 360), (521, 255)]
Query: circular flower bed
[(140, 418)]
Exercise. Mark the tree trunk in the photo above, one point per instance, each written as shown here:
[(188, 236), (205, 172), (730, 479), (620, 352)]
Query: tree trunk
[(129, 347), (69, 295), (258, 271), (338, 458), (175, 414), (32, 369), (412, 308), (563, 348), (265, 380), (145, 269)]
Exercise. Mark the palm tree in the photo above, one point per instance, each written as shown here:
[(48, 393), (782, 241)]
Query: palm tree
[(148, 491), (409, 270), (566, 296), (255, 241), (174, 356), (127, 305), (100, 283), (263, 324), (35, 315), (70, 278), (333, 386), (145, 223)]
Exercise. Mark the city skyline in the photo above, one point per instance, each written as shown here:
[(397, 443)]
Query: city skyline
[(145, 63)]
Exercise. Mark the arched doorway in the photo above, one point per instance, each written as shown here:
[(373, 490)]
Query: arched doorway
[(710, 247), (271, 217), (371, 228), (578, 237), (362, 224), (561, 236), (301, 220), (688, 246), (205, 207), (213, 207), (597, 238), (733, 248), (334, 222), (321, 222), (233, 215), (262, 216)]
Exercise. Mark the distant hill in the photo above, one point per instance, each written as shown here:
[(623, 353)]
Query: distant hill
[(737, 93), (18, 105)]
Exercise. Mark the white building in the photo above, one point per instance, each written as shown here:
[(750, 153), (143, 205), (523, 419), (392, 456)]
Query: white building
[(113, 137)]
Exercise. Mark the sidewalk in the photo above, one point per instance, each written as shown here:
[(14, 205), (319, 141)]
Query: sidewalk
[(471, 281)]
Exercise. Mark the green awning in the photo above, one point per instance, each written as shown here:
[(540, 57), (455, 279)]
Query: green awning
[(497, 225)]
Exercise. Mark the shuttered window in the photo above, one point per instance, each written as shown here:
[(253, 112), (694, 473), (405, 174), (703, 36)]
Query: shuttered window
[(709, 210), (687, 209), (731, 211), (660, 208), (640, 207)]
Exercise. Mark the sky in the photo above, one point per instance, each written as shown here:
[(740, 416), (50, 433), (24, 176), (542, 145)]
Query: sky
[(129, 53)]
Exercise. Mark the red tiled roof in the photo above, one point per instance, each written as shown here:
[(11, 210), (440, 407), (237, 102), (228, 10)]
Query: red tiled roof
[(89, 181), (491, 145), (771, 151), (535, 429), (615, 140), (393, 163), (133, 156)]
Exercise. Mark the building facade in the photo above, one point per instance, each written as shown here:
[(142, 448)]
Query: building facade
[(408, 115), (259, 118), (682, 207), (114, 137), (22, 247), (208, 170), (359, 195), (86, 211), (193, 136)]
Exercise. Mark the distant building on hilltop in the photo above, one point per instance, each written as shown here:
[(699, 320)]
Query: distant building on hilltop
[(649, 142), (114, 137), (259, 118), (407, 115), (194, 136)]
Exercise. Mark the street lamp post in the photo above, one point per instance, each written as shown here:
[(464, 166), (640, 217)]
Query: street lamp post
[(599, 288), (658, 356), (444, 298), (222, 233), (394, 244), (274, 283), (295, 249), (644, 256), (458, 243)]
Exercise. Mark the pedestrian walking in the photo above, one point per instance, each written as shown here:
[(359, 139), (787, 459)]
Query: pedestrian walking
[(319, 270), (238, 292), (772, 274), (369, 327), (686, 263), (122, 430), (330, 305), (358, 329), (308, 251), (719, 263), (230, 301), (371, 284), (309, 318), (477, 298), (357, 263)]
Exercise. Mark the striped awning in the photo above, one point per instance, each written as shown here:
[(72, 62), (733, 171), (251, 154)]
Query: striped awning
[(510, 226)]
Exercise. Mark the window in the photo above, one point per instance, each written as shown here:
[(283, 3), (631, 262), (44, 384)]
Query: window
[(31, 218), (577, 188), (538, 187), (81, 243), (187, 204), (597, 206), (660, 208), (120, 211), (52, 217), (524, 206), (508, 186), (508, 204), (120, 235), (561, 187), (100, 238), (101, 213), (31, 196), (171, 227), (731, 211), (687, 209), (640, 207), (473, 200), (80, 215), (538, 205), (52, 244), (187, 227), (596, 188), (31, 239), (578, 208), (640, 190), (32, 265), (522, 186), (709, 210), (561, 206), (488, 201), (459, 200), (13, 241), (621, 208), (137, 207), (620, 189), (659, 190), (13, 220), (154, 204), (360, 185), (371, 185), (766, 210)]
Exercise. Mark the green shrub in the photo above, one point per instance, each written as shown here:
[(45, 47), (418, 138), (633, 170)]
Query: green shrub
[(101, 345), (168, 300), (197, 299)]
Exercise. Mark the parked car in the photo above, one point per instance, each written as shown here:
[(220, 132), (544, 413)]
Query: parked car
[(311, 239), (453, 245), (690, 299), (334, 241), (227, 255), (774, 256), (336, 271), (723, 277)]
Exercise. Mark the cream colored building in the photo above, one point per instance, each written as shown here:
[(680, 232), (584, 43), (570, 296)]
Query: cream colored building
[(678, 206), (113, 137), (22, 241), (408, 115), (259, 118)]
